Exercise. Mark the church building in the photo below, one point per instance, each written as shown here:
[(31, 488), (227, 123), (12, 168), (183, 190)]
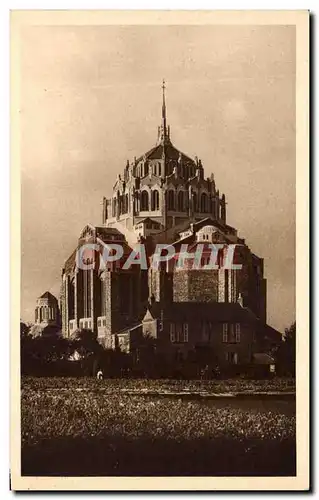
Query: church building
[(164, 197)]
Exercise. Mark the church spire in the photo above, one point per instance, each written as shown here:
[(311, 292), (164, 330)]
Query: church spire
[(164, 109), (163, 135)]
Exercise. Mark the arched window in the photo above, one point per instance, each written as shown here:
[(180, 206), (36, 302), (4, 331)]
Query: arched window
[(122, 204), (195, 202), (144, 201), (180, 201), (125, 204), (155, 200), (114, 207), (171, 199), (203, 202)]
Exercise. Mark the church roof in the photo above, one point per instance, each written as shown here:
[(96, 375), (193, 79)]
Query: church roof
[(262, 358), (129, 329), (107, 230), (69, 263), (48, 295), (104, 235), (272, 334), (167, 150), (213, 311), (210, 221)]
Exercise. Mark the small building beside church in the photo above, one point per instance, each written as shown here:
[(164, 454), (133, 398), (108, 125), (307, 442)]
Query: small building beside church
[(47, 316)]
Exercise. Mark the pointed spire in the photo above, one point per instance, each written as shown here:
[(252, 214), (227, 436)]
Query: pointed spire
[(164, 109), (163, 130)]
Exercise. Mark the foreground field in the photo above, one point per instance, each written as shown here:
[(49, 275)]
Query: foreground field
[(115, 385), (92, 432)]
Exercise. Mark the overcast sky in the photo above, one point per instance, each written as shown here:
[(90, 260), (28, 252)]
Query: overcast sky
[(91, 98)]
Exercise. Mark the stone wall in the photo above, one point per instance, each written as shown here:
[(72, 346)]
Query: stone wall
[(208, 337), (195, 286)]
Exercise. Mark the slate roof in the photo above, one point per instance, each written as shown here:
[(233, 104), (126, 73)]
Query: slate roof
[(129, 329), (261, 358), (214, 222), (69, 263), (126, 248), (213, 311), (272, 334), (207, 221), (103, 233), (48, 295), (169, 150)]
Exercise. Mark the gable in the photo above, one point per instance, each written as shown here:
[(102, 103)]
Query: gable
[(148, 316), (87, 232), (212, 234)]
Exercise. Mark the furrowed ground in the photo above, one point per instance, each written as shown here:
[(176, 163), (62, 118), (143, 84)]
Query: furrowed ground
[(88, 427)]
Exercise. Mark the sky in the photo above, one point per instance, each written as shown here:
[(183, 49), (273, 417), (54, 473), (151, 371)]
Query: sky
[(91, 99)]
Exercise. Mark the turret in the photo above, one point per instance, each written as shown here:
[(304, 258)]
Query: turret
[(223, 209)]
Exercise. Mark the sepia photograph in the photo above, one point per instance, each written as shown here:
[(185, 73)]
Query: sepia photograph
[(156, 313)]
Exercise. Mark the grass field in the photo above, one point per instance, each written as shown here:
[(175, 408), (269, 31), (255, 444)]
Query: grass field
[(115, 385), (85, 427)]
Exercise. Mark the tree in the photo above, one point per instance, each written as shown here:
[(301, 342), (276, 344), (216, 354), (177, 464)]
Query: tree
[(150, 361), (24, 330), (25, 347), (84, 342), (290, 333), (286, 352), (38, 354)]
